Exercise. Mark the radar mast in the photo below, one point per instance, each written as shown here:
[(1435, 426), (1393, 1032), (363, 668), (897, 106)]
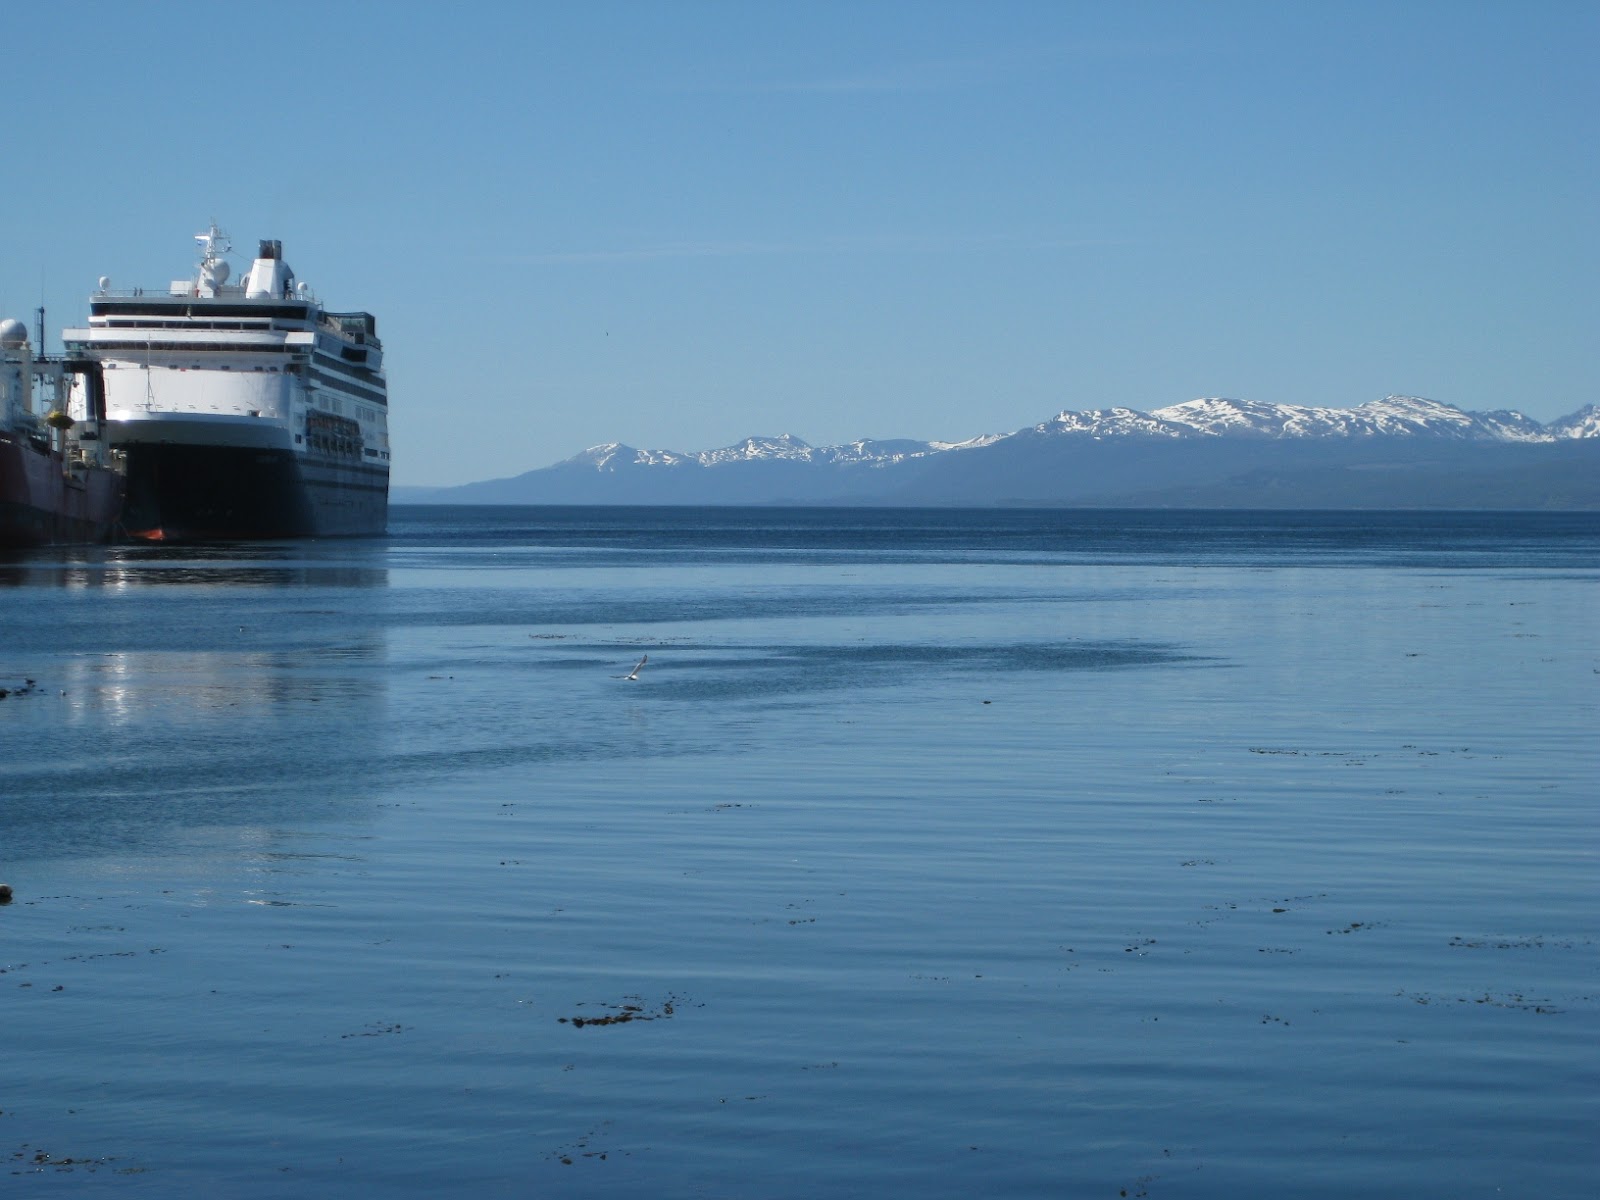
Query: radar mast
[(214, 270)]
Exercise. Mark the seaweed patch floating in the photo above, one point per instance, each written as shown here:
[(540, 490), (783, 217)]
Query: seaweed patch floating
[(632, 1009)]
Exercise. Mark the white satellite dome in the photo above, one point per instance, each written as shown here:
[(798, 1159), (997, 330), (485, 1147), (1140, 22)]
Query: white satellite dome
[(13, 333), (214, 273)]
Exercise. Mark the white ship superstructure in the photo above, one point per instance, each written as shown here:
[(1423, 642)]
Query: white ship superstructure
[(245, 410)]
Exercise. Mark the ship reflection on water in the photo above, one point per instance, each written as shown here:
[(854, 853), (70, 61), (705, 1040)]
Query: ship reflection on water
[(189, 689), (264, 564)]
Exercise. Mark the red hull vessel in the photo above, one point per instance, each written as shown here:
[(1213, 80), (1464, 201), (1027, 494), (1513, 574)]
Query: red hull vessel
[(57, 484), (45, 500)]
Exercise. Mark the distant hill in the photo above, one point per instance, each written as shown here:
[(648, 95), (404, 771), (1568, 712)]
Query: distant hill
[(1398, 452), (414, 494)]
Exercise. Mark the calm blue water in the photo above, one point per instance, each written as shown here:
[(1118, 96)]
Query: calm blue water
[(932, 854)]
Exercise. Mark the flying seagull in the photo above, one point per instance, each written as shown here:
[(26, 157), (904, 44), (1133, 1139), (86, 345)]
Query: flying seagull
[(634, 674)]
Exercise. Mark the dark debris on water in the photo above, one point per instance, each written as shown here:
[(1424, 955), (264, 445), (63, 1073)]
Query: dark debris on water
[(628, 1011), (28, 688)]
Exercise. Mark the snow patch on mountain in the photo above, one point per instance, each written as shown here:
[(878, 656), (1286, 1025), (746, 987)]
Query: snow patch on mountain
[(1221, 416), (614, 456), (602, 457), (784, 446), (1585, 423), (1110, 422), (973, 443)]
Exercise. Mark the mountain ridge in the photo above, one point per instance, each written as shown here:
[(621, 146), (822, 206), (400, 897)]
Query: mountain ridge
[(1399, 450)]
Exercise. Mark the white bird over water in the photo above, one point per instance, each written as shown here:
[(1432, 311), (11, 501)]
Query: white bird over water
[(634, 674)]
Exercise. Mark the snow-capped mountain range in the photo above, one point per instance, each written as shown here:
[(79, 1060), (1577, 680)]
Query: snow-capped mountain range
[(1400, 451), (1393, 416), (1400, 416), (784, 447)]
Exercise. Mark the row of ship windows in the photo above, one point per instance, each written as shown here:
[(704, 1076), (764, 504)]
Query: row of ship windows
[(332, 444), (350, 387), (332, 434), (289, 370), (349, 370), (252, 326), (337, 445), (193, 347), (325, 403), (150, 312)]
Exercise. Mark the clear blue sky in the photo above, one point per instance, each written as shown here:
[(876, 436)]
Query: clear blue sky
[(678, 224)]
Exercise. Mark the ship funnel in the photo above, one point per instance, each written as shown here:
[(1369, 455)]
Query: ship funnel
[(269, 275)]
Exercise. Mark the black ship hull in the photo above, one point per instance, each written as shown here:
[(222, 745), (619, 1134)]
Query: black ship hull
[(213, 493)]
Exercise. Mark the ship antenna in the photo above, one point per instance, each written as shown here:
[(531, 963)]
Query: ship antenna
[(214, 243)]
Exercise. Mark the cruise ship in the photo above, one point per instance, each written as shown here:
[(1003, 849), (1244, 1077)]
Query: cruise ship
[(243, 410)]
